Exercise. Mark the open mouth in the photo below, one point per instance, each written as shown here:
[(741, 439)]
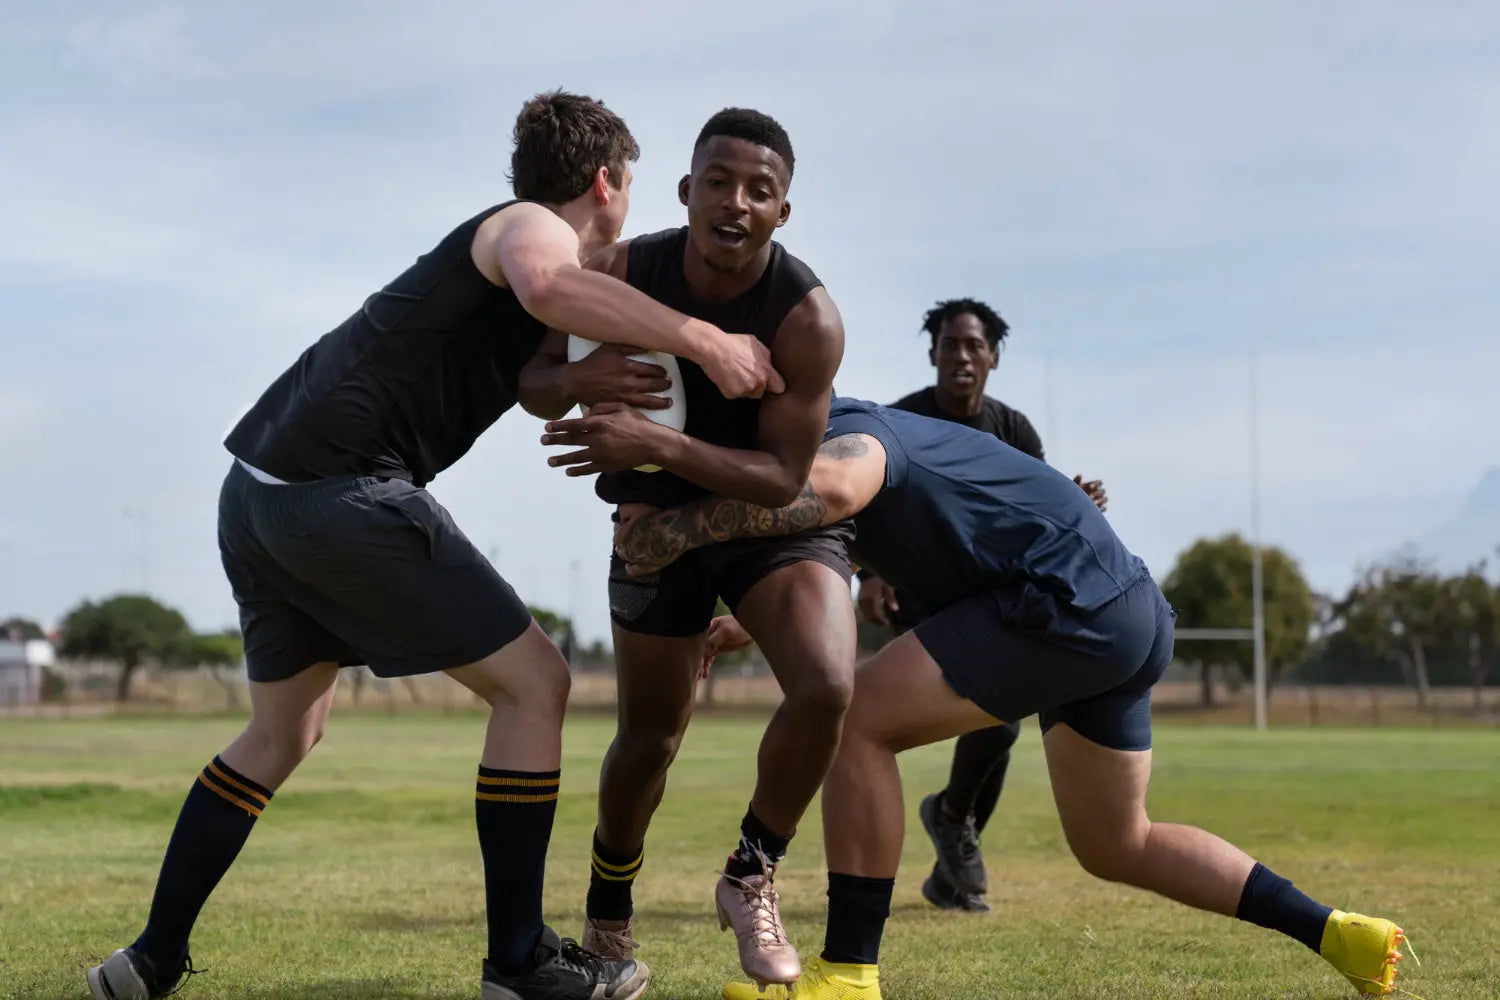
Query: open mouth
[(963, 375), (731, 235)]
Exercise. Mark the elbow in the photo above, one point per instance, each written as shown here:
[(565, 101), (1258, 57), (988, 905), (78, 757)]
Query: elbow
[(539, 293), (782, 492), (838, 501), (540, 401), (544, 409)]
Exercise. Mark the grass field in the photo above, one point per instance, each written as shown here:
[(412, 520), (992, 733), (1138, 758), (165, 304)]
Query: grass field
[(363, 879)]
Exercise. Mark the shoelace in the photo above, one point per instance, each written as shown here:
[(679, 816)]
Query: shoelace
[(765, 922), (616, 940), (574, 956), (184, 974)]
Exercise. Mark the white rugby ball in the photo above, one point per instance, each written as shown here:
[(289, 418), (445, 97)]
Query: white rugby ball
[(674, 416)]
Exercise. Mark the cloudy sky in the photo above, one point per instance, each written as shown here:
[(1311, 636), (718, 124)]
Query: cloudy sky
[(1147, 192)]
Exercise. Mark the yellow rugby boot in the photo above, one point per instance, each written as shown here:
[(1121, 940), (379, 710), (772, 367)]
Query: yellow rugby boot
[(820, 980), (1364, 949)]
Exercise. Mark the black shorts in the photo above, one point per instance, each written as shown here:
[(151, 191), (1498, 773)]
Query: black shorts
[(1015, 652), (680, 600), (358, 570)]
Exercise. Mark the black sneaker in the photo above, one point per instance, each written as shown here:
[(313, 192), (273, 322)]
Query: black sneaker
[(939, 893), (957, 846), (564, 971), (129, 975)]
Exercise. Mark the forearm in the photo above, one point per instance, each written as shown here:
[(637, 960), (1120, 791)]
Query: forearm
[(607, 310), (664, 536), (756, 477), (545, 389)]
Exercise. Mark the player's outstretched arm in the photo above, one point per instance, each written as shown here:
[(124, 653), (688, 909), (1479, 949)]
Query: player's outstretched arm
[(847, 473), (807, 351), (534, 253)]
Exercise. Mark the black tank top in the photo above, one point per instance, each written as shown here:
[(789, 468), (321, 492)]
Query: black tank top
[(655, 266), (403, 387)]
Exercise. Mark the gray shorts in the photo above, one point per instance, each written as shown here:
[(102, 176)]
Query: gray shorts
[(358, 570)]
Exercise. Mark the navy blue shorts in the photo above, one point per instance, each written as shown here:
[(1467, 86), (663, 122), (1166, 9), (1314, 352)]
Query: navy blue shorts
[(1016, 652), (358, 570)]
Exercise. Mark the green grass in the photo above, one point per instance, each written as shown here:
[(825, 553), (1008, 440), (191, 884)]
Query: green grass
[(363, 880)]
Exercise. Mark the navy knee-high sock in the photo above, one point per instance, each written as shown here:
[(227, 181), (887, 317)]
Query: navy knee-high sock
[(216, 819), (513, 811)]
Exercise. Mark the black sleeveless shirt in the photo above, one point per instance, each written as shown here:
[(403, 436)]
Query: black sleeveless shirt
[(403, 387), (655, 266)]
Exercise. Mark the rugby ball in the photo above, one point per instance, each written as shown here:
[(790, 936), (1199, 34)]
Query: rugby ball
[(674, 416)]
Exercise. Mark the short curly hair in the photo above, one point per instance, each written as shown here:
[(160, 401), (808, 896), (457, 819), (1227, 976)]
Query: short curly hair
[(562, 140), (754, 127), (995, 328)]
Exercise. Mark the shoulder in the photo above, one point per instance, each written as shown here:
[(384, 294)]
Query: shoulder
[(1014, 427), (1006, 413), (515, 231), (812, 325), (794, 268)]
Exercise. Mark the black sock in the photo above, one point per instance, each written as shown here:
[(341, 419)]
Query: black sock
[(514, 811), (1271, 901), (857, 911), (610, 882), (755, 836), (215, 820), (976, 757)]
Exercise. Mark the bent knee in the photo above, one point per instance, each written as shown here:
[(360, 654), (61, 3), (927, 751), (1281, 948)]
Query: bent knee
[(647, 751), (824, 696), (530, 675), (284, 744), (1109, 855)]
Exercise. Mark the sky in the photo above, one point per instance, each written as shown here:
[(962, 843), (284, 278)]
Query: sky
[(1151, 194)]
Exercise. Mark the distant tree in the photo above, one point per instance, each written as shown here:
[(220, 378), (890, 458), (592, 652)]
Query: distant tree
[(214, 650), (1472, 609), (1398, 611), (559, 629), (129, 629), (23, 629), (1211, 588)]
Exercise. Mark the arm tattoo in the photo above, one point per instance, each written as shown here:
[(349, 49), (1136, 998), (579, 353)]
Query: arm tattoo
[(661, 538), (665, 536), (845, 446)]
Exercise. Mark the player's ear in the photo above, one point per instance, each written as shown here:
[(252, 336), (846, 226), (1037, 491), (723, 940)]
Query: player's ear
[(932, 355), (994, 357), (682, 188), (786, 213), (600, 188)]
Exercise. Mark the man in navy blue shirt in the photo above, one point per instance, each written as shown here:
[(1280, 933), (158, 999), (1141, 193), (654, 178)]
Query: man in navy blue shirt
[(1037, 608)]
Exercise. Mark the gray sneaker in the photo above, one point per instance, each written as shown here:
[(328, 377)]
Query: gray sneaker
[(939, 893), (129, 975), (957, 846), (565, 971)]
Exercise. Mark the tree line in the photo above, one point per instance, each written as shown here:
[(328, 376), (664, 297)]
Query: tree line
[(1400, 622)]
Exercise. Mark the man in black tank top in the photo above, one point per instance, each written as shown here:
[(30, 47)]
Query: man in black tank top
[(965, 337), (792, 593), (337, 555)]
